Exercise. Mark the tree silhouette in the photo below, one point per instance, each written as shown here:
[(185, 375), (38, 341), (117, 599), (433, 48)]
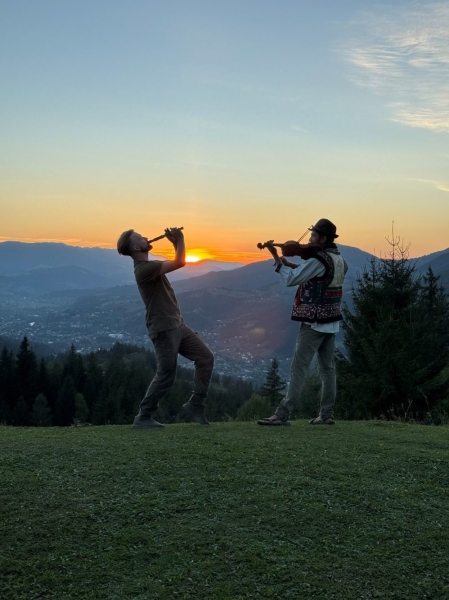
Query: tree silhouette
[(274, 385), (41, 416), (397, 341), (8, 385), (66, 403), (27, 376)]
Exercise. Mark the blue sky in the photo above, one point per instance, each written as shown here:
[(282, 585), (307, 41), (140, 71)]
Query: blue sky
[(241, 121)]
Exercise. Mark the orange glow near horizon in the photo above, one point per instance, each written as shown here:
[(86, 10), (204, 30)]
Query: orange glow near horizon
[(193, 255), (243, 255), (219, 254)]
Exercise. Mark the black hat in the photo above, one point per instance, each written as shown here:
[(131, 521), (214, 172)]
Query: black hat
[(325, 227)]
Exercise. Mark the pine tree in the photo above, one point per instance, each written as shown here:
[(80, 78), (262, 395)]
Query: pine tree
[(81, 409), (45, 386), (20, 414), (65, 403), (74, 367), (93, 383), (256, 407), (238, 392), (397, 342), (27, 375), (41, 413), (218, 405), (274, 385), (8, 385), (107, 408)]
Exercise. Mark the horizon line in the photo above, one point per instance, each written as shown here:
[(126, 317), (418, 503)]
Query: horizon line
[(214, 254)]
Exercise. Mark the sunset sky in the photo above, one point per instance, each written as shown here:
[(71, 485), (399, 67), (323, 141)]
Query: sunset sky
[(241, 121)]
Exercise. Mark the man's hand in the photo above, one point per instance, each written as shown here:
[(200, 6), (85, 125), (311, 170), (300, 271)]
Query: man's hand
[(274, 253), (174, 234), (176, 237), (287, 263), (272, 249)]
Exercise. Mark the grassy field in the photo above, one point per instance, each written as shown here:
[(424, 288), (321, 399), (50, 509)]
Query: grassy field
[(355, 511)]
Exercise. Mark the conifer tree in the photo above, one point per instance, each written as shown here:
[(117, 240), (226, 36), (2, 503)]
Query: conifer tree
[(238, 392), (81, 409), (107, 408), (45, 386), (8, 385), (41, 416), (21, 415), (93, 383), (65, 403), (274, 385), (254, 408), (218, 402), (397, 342), (27, 374), (74, 367)]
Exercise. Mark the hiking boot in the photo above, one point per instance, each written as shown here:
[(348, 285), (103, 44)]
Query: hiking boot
[(273, 421), (145, 422), (193, 412), (320, 421)]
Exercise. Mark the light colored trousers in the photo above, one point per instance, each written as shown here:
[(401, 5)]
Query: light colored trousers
[(309, 343), (167, 345)]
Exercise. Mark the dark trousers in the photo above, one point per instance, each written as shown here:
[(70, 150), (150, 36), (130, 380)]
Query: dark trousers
[(309, 343), (167, 345)]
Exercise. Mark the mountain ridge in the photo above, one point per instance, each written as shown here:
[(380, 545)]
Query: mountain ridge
[(29, 269), (243, 314), (27, 266)]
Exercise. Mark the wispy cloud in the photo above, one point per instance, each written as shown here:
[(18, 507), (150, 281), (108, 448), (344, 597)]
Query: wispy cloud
[(444, 187), (402, 54), (301, 129)]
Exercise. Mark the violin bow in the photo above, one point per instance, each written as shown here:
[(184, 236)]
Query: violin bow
[(305, 233)]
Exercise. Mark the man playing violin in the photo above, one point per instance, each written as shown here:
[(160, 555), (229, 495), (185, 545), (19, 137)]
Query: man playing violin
[(166, 328), (317, 307)]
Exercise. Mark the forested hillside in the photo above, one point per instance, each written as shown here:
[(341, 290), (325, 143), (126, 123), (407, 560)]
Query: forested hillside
[(101, 387)]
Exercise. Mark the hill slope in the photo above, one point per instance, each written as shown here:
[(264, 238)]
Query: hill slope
[(228, 511), (34, 269), (243, 314)]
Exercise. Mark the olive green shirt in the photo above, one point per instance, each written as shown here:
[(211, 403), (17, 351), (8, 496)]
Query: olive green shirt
[(162, 308)]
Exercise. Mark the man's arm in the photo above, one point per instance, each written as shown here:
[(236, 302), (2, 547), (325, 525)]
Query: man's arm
[(176, 237), (307, 269)]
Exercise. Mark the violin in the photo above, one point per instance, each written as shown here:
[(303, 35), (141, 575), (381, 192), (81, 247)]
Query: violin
[(293, 248)]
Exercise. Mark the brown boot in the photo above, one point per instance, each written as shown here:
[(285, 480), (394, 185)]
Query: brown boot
[(320, 421), (192, 412), (273, 421), (145, 422)]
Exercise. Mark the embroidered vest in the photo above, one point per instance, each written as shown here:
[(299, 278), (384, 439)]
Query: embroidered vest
[(319, 299)]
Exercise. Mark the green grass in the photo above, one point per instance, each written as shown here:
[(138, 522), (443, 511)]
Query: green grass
[(355, 511)]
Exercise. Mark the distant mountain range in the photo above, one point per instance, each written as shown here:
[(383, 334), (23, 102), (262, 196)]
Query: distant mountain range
[(242, 313), (439, 262), (57, 295), (30, 270)]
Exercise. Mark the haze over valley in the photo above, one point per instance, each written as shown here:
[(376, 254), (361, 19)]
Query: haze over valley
[(59, 295)]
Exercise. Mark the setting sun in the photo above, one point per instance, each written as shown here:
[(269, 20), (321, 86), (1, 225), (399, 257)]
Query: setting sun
[(190, 258)]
